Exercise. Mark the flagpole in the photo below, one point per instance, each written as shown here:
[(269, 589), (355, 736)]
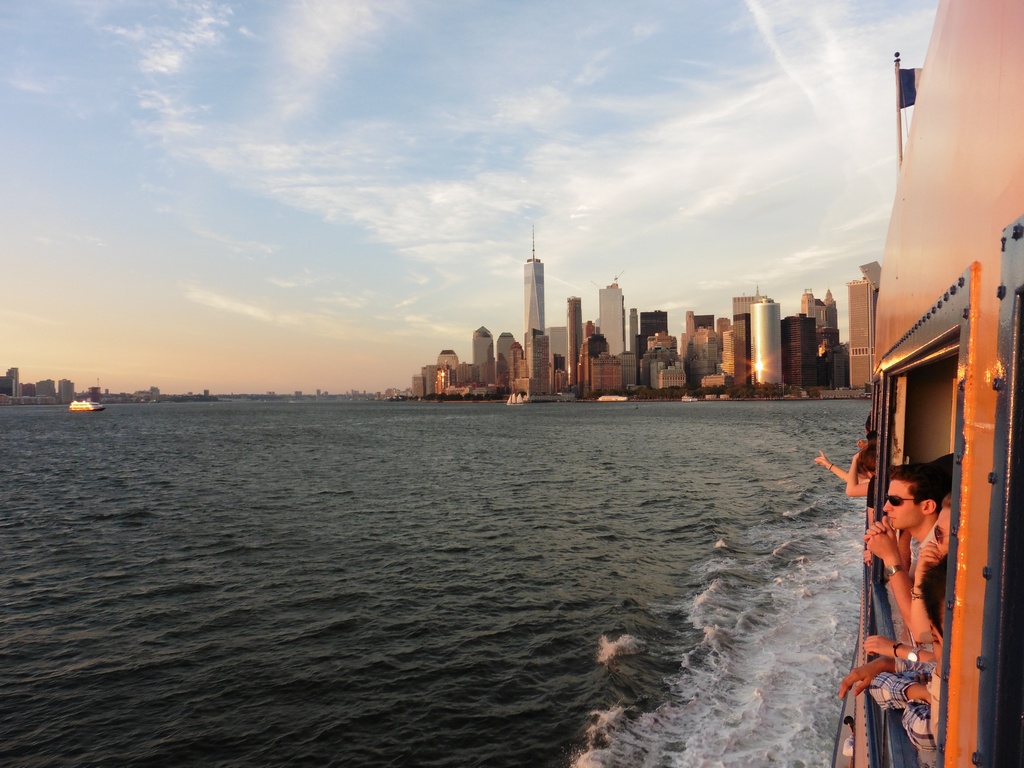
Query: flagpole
[(899, 113)]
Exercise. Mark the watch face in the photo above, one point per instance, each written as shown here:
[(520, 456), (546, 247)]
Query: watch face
[(912, 656)]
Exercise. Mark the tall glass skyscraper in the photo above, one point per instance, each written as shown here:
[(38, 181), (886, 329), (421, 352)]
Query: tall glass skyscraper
[(742, 368), (574, 337), (863, 295), (612, 318), (503, 362), (652, 323), (766, 341), (483, 354), (533, 296)]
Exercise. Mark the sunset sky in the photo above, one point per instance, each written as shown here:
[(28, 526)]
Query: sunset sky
[(254, 196)]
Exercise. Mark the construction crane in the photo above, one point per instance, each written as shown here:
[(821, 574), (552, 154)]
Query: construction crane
[(615, 280)]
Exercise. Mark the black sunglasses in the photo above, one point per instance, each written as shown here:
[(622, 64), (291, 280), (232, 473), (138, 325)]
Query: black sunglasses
[(895, 501)]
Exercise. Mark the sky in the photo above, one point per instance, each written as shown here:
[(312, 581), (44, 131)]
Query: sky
[(279, 196)]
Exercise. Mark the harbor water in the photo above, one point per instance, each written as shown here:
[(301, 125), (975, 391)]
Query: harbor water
[(407, 584)]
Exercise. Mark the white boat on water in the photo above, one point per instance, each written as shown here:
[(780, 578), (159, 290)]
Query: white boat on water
[(689, 399), (516, 398), (612, 399), (85, 405)]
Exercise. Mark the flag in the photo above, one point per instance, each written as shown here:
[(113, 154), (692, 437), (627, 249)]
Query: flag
[(908, 86)]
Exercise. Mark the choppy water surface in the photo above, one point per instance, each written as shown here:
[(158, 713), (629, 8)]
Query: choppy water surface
[(431, 585)]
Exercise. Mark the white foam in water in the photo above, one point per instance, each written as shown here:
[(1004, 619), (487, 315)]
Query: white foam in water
[(707, 594), (760, 688), (599, 734), (623, 646)]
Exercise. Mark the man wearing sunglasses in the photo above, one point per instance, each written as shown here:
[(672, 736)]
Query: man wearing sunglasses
[(912, 506)]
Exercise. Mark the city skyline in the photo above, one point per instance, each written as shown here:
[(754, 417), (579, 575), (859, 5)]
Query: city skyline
[(769, 348), (207, 195), (574, 305), (674, 325)]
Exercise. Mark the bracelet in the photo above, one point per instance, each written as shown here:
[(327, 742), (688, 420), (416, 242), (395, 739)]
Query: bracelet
[(830, 467), (895, 647), (915, 595)]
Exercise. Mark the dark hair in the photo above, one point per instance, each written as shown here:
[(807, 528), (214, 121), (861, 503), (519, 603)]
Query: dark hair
[(933, 592), (925, 481), (867, 458)]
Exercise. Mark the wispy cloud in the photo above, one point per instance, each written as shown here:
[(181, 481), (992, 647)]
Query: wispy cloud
[(14, 319), (317, 36), (228, 304), (808, 256), (30, 84), (539, 108), (645, 29), (176, 121), (729, 147), (91, 240), (166, 49), (349, 301), (234, 244), (303, 279), (324, 324), (595, 69)]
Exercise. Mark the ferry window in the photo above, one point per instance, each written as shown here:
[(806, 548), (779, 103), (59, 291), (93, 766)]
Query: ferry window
[(930, 414), (923, 425)]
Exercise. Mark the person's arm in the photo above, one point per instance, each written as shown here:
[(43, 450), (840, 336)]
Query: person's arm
[(917, 720), (925, 658), (856, 485), (823, 461), (879, 645), (918, 692), (860, 677), (902, 691), (903, 542), (919, 624), (881, 542)]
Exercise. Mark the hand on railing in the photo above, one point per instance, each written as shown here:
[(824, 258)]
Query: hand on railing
[(879, 645), (860, 677)]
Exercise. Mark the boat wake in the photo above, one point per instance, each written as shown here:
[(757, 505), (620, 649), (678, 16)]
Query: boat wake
[(774, 633)]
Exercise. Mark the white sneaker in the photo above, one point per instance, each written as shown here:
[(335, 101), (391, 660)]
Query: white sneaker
[(848, 746)]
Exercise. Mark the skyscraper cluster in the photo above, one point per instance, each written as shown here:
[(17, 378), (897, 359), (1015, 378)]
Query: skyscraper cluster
[(755, 346), (45, 392)]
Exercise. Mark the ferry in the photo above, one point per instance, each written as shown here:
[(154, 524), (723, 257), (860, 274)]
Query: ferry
[(85, 405), (949, 378)]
